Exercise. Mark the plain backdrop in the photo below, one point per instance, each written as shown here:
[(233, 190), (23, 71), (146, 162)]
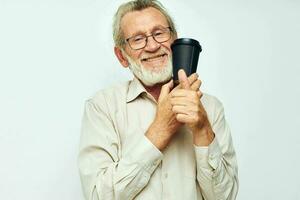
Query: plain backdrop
[(55, 54)]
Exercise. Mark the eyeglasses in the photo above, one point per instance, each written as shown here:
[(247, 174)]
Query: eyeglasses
[(140, 41)]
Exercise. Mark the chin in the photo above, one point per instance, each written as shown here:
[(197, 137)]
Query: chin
[(152, 72), (153, 77)]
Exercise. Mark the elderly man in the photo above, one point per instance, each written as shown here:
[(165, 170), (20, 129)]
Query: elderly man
[(146, 138)]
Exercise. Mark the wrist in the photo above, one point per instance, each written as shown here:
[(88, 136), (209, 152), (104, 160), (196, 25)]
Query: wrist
[(203, 136), (158, 136)]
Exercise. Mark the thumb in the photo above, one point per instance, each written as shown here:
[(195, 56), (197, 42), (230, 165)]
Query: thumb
[(183, 80), (165, 90)]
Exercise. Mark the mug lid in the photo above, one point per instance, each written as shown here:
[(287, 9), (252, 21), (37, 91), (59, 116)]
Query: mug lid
[(188, 41)]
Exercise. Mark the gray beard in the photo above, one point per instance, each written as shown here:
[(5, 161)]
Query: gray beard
[(149, 77)]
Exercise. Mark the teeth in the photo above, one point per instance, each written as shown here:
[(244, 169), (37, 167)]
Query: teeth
[(153, 58)]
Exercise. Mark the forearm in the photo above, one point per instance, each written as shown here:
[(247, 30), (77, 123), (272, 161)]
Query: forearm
[(108, 171), (158, 136), (216, 173), (203, 136), (118, 179)]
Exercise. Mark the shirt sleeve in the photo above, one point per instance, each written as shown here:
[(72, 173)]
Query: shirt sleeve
[(217, 172), (104, 173)]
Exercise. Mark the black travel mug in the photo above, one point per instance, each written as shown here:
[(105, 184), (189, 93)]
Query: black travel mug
[(185, 55)]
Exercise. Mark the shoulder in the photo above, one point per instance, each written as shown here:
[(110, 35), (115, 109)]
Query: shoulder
[(210, 101), (112, 95)]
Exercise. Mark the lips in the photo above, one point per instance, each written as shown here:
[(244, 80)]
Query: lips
[(154, 58)]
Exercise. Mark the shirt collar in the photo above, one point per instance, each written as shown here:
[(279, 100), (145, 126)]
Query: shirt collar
[(135, 88)]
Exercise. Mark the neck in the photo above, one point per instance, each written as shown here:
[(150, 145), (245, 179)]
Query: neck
[(154, 90)]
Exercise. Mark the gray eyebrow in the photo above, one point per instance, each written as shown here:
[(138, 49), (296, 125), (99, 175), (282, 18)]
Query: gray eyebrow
[(143, 33)]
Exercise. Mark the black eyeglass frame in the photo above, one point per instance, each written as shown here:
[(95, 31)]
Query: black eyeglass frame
[(151, 35)]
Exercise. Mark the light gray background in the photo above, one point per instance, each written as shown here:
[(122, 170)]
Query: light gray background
[(55, 54)]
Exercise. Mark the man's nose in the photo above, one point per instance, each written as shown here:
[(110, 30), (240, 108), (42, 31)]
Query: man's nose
[(152, 45)]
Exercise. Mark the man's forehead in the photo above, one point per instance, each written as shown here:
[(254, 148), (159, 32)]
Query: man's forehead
[(142, 21)]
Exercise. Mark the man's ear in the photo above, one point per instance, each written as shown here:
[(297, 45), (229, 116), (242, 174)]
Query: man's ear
[(122, 59)]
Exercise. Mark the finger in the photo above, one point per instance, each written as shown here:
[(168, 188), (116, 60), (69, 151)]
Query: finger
[(186, 109), (183, 80), (200, 94), (184, 93), (165, 90), (184, 118), (196, 85), (192, 78), (184, 101), (180, 109)]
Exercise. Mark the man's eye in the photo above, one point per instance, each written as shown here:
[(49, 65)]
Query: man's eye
[(138, 39), (157, 33)]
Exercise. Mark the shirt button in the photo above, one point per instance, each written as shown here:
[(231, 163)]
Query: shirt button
[(166, 175)]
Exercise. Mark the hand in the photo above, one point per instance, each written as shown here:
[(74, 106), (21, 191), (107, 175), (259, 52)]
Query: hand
[(165, 123), (164, 114), (187, 106)]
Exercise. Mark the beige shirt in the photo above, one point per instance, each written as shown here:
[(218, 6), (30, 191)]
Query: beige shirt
[(116, 160)]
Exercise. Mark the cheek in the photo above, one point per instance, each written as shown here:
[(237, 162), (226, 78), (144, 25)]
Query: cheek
[(167, 47), (134, 54), (139, 54)]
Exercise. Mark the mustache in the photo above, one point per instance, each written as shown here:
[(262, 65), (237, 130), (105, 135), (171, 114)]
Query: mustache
[(146, 56)]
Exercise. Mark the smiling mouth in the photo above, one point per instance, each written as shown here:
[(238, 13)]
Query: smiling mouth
[(154, 58)]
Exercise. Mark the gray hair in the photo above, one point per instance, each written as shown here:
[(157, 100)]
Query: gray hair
[(137, 5)]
